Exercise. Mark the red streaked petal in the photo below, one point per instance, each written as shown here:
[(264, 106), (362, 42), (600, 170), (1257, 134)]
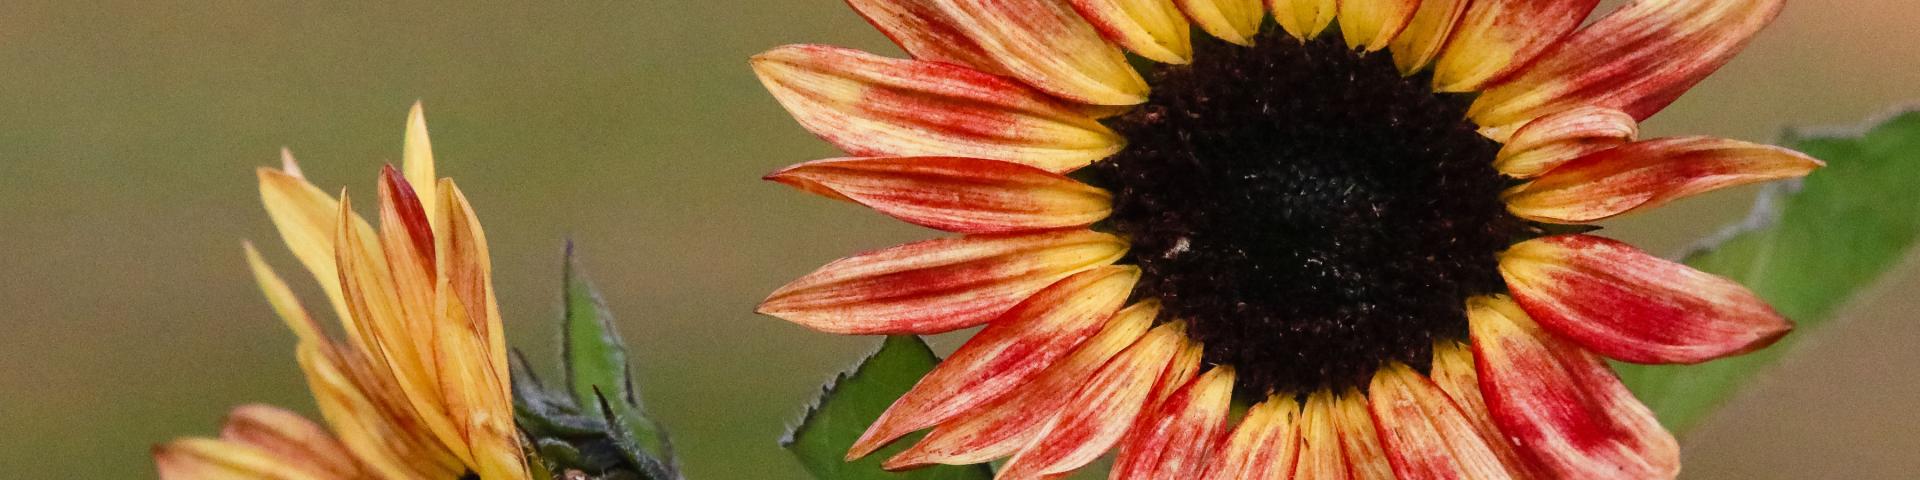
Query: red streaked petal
[(1420, 42), (1320, 457), (1099, 413), (1041, 42), (1556, 139), (1359, 439), (1304, 19), (1006, 355), (1620, 302), (1005, 425), (1562, 406), (1152, 28), (874, 106), (1497, 37), (291, 439), (1371, 24), (1425, 434), (963, 195), (1453, 373), (1236, 21), (1650, 174), (1263, 446), (937, 285), (1177, 438), (1638, 59)]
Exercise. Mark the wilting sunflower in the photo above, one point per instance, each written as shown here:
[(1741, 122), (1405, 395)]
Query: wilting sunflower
[(1364, 219), (419, 387)]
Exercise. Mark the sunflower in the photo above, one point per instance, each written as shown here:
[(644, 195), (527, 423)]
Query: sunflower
[(1368, 221), (419, 387)]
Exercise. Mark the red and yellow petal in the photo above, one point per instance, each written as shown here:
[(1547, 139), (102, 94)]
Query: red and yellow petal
[(1425, 434), (1562, 406), (1177, 438), (875, 106), (1236, 21), (1370, 25), (1497, 37), (1044, 43), (1010, 352), (1637, 60), (1098, 415), (1432, 24), (964, 195), (1263, 446), (1553, 140), (937, 285), (1360, 438), (1320, 456), (1453, 372), (1152, 28), (1618, 301), (290, 439), (1650, 174), (1304, 19)]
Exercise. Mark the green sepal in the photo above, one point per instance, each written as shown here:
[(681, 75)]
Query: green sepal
[(852, 401)]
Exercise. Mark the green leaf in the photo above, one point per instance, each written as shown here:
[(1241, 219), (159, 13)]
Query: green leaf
[(854, 400), (1808, 248), (594, 353)]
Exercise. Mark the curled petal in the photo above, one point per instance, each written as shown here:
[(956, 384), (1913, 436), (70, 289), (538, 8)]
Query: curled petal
[(1556, 139), (1042, 42), (1371, 25), (1359, 439), (1497, 37), (1620, 302), (1638, 60), (1304, 19), (963, 195), (1010, 352), (1421, 41), (1453, 373), (1263, 446), (1426, 436), (1236, 21), (937, 285), (1151, 28), (1650, 174), (1098, 414), (875, 106), (1177, 438), (1320, 457), (1562, 406)]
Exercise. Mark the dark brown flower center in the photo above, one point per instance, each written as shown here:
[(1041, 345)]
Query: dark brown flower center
[(1309, 211)]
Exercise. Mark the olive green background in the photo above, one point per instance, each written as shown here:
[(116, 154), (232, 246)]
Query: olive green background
[(129, 132)]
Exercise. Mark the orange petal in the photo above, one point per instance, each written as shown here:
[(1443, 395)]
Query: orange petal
[(1152, 28), (306, 217), (1006, 355), (417, 158), (1177, 438), (284, 302), (1236, 21), (1649, 174), (1556, 139), (209, 459), (1263, 446), (1421, 41), (1041, 42), (383, 435), (1371, 24), (1100, 412), (291, 439), (1003, 426), (1620, 302), (955, 194), (1637, 60), (1497, 37), (1426, 436), (1453, 373), (937, 285), (1561, 406), (469, 273), (1358, 438), (1320, 457), (1304, 19)]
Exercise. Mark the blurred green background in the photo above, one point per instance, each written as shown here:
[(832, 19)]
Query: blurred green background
[(129, 132)]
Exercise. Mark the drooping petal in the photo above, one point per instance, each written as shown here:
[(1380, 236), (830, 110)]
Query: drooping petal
[(292, 440), (1497, 37), (1359, 439), (1453, 372), (1562, 406), (1370, 25), (1236, 21), (1638, 60), (1099, 413), (1177, 439), (1011, 351), (1556, 139), (1305, 19), (1426, 436), (1421, 41), (1042, 42), (1620, 302), (1005, 425), (417, 158), (963, 195), (937, 285), (1650, 174), (1263, 446), (1152, 28), (875, 106), (1320, 457), (209, 459)]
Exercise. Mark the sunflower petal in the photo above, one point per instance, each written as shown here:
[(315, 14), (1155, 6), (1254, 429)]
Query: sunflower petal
[(1638, 60), (937, 285), (1005, 425), (1304, 19), (1453, 373), (1236, 21), (1426, 436), (1371, 25), (1005, 356), (1263, 446), (1320, 457), (1497, 37), (1620, 302), (1099, 413), (1556, 139), (1041, 42), (963, 195), (1152, 28), (291, 439), (1649, 174), (1177, 438), (1359, 439), (1421, 41), (1563, 406)]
